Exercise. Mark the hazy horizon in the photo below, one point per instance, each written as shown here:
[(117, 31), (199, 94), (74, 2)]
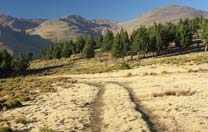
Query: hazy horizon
[(117, 10)]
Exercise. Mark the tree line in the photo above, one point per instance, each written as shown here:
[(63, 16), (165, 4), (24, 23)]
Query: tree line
[(144, 40), (13, 65), (82, 45)]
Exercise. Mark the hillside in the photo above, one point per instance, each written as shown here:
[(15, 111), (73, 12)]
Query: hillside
[(20, 42), (158, 94), (13, 36), (171, 13), (19, 24), (70, 27)]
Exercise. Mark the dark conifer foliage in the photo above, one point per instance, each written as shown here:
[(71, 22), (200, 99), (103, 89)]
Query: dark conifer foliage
[(108, 39), (13, 65), (144, 40), (89, 51)]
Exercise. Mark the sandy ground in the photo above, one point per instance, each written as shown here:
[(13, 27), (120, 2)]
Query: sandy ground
[(159, 98), (67, 109)]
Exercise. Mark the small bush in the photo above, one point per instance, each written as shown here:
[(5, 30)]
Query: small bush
[(124, 66), (129, 74), (165, 72), (5, 129), (150, 74), (46, 129), (22, 120), (9, 104)]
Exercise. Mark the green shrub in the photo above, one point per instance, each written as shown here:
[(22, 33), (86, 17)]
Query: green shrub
[(9, 104), (5, 129), (124, 66), (46, 129), (13, 64)]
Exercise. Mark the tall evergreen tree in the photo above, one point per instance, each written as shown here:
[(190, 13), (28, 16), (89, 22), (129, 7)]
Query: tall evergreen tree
[(21, 63), (125, 41), (99, 42), (204, 33), (5, 60), (117, 46), (183, 34), (11, 64), (89, 51), (67, 49), (159, 42), (141, 40), (107, 41), (79, 44)]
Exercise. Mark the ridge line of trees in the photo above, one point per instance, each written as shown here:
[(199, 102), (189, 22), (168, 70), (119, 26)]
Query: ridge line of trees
[(10, 65), (144, 40)]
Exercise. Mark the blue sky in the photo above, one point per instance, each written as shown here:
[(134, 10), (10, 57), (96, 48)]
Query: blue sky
[(119, 10)]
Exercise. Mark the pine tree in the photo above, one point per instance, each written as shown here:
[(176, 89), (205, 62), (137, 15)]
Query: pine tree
[(204, 33), (79, 44), (5, 60), (183, 34), (125, 41), (117, 46), (67, 49), (21, 63), (141, 40), (57, 52), (88, 51), (152, 39), (107, 41), (99, 42)]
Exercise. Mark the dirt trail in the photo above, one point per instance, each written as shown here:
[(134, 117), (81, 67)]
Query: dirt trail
[(145, 114), (97, 107), (119, 112)]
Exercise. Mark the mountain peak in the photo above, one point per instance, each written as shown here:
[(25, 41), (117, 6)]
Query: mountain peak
[(171, 13), (73, 17)]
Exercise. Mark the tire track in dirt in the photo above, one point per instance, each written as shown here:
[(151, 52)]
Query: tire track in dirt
[(97, 106), (145, 115)]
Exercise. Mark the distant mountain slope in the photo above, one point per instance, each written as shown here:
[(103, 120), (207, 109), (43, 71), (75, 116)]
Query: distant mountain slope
[(19, 42), (31, 35), (13, 36), (19, 24), (171, 13), (70, 27)]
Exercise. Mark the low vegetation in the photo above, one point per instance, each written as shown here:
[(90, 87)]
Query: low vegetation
[(5, 129), (12, 103), (13, 65), (46, 129), (14, 91), (124, 66)]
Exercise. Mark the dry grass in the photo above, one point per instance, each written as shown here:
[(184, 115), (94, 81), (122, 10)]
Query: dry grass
[(91, 66), (23, 120), (174, 93), (151, 77), (82, 66), (192, 58), (5, 129), (15, 90), (46, 129)]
